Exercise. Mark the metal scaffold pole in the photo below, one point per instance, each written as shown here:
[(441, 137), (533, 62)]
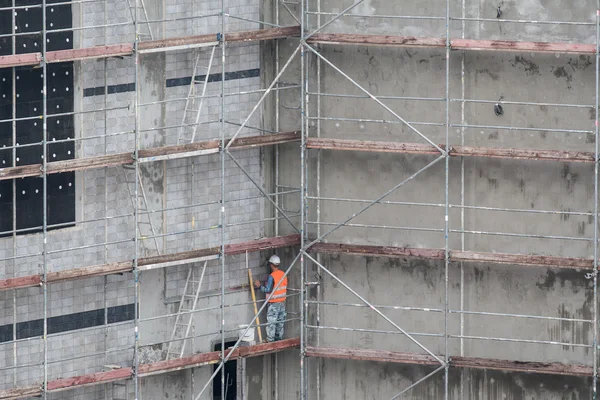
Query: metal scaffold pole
[(14, 187), (447, 205), (223, 215), (318, 232), (462, 199), (136, 211), (45, 195), (320, 293), (303, 205), (318, 64), (597, 160)]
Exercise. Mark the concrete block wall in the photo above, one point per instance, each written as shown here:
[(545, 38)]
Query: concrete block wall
[(242, 75), (165, 19), (259, 369), (104, 206)]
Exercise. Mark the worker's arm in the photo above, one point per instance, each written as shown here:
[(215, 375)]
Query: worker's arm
[(268, 287)]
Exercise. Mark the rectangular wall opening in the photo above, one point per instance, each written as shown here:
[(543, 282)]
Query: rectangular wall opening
[(230, 370)]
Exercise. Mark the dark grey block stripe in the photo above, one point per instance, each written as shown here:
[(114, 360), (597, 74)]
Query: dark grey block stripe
[(69, 322), (130, 87)]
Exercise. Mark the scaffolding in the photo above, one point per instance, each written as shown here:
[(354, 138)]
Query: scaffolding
[(310, 230)]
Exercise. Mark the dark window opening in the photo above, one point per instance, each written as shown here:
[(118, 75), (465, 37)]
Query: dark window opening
[(21, 96), (230, 370)]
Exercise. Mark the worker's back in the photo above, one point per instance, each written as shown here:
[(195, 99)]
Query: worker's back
[(279, 294)]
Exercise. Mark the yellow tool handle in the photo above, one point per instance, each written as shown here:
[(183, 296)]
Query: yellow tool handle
[(254, 303)]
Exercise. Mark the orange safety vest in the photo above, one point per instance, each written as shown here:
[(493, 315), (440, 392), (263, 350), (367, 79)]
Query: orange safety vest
[(280, 293)]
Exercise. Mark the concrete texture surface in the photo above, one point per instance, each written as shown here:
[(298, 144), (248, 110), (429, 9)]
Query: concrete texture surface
[(487, 183), (482, 184)]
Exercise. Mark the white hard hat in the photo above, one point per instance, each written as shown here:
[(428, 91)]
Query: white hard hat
[(274, 260)]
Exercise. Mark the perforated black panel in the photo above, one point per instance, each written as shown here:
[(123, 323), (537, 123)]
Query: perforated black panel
[(28, 106), (6, 187), (6, 211), (29, 21), (5, 28)]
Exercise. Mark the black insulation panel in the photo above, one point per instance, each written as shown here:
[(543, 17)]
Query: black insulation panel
[(5, 28), (6, 211), (25, 85), (28, 21)]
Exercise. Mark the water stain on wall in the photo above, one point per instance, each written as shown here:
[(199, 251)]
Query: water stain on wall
[(528, 66)]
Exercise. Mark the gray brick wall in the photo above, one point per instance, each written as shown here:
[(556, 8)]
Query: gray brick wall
[(111, 130), (184, 17)]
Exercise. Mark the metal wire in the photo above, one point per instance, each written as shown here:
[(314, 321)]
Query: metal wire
[(363, 330), (102, 353), (199, 310), (377, 121), (454, 100), (451, 311), (499, 339), (216, 96), (524, 21), (441, 205), (379, 16), (252, 20), (152, 344)]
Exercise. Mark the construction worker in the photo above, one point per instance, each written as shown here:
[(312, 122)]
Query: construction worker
[(276, 313)]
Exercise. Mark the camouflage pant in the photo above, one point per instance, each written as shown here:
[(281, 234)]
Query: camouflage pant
[(275, 319)]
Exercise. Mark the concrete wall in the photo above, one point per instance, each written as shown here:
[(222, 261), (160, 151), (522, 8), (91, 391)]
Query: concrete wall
[(384, 72), (488, 184)]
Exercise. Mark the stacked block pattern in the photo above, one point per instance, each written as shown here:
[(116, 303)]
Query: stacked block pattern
[(104, 209)]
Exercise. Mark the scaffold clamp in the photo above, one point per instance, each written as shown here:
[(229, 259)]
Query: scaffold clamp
[(589, 275)]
